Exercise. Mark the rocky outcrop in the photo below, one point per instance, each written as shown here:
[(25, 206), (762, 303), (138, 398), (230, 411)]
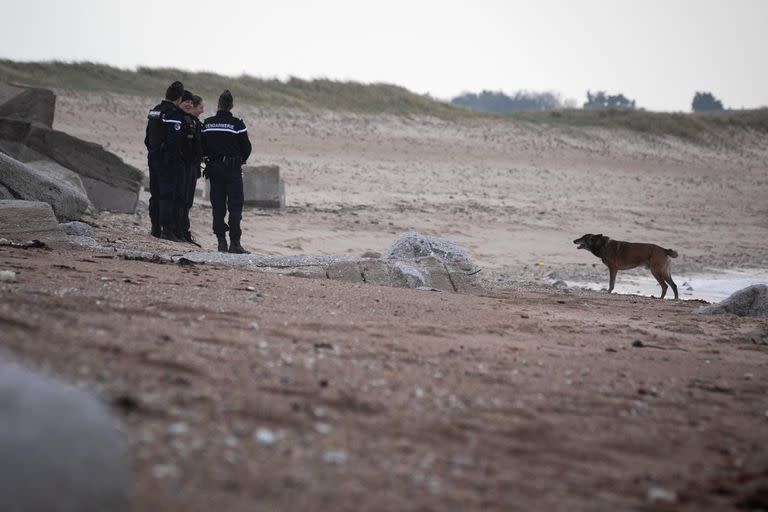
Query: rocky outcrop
[(29, 220), (60, 447), (46, 182), (749, 301)]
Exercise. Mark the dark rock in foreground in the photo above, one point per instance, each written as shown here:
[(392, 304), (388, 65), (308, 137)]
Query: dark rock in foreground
[(60, 448), (749, 301)]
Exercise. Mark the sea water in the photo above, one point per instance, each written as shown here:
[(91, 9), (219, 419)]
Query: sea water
[(711, 286)]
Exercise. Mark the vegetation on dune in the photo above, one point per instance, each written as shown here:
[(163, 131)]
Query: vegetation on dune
[(292, 93), (367, 98)]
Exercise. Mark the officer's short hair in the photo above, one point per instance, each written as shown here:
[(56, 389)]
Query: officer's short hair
[(196, 100), (186, 96), (174, 91), (226, 101)]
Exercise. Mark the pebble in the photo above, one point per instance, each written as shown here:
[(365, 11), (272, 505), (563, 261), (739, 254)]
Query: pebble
[(322, 428), (160, 471), (7, 276), (65, 291), (335, 457), (253, 326), (265, 436), (661, 495), (178, 428)]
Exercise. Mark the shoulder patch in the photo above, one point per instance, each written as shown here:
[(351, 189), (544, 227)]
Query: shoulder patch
[(177, 126)]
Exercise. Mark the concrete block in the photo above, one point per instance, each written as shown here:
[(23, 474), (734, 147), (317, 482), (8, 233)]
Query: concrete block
[(263, 187), (111, 184), (33, 105), (29, 220), (47, 182)]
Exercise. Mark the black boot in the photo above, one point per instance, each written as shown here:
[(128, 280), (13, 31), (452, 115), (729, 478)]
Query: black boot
[(168, 234), (235, 246), (155, 231), (190, 239), (222, 243)]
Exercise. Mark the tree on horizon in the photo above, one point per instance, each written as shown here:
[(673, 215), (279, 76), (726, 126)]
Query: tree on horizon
[(500, 103), (706, 102), (600, 100)]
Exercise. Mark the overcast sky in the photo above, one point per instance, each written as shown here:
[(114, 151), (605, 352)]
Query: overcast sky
[(658, 52)]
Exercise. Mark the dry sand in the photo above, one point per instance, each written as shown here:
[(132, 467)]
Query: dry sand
[(244, 390)]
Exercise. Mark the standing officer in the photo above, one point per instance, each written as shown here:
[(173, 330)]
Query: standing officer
[(226, 148), (163, 142), (192, 152)]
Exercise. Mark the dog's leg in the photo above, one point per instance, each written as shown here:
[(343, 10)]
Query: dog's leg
[(668, 279), (612, 277), (659, 275)]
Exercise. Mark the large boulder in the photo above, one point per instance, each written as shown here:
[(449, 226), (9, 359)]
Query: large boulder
[(32, 104), (61, 448), (111, 184), (47, 182), (749, 301), (29, 220)]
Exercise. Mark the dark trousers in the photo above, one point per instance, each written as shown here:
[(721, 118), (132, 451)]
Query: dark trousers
[(162, 189), (227, 194), (154, 199)]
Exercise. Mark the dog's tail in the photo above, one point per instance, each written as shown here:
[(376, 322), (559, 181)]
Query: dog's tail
[(671, 253)]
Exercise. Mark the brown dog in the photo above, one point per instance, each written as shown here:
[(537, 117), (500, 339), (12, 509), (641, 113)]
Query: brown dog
[(625, 255)]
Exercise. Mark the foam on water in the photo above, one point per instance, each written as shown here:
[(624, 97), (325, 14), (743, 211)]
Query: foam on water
[(712, 286)]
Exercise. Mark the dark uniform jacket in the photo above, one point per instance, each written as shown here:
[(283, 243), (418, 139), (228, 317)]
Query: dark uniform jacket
[(225, 138), (192, 147), (164, 133)]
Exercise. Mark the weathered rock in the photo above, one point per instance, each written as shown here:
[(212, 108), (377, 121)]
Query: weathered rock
[(425, 272), (59, 172), (33, 105), (28, 220), (19, 151), (111, 184), (8, 92), (61, 449), (263, 186), (50, 186), (412, 245), (76, 228), (749, 301), (5, 193)]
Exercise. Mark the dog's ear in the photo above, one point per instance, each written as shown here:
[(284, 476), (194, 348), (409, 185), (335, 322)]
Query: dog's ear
[(599, 234)]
